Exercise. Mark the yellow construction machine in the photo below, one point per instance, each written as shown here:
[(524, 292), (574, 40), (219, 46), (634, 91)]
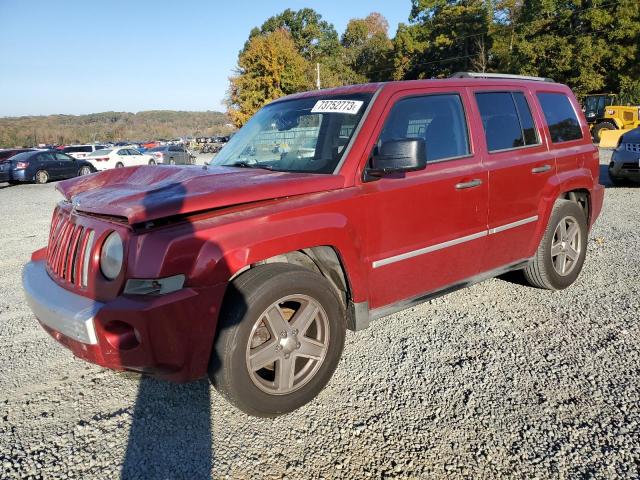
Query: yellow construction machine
[(607, 120)]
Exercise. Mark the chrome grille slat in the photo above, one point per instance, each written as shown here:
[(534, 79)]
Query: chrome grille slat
[(65, 251)]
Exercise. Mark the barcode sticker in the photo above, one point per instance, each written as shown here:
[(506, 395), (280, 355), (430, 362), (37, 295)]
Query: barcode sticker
[(351, 107)]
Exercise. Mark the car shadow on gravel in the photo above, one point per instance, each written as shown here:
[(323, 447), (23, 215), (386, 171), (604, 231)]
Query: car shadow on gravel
[(170, 435)]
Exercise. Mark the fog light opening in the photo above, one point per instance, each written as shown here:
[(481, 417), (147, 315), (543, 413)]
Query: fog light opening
[(121, 336)]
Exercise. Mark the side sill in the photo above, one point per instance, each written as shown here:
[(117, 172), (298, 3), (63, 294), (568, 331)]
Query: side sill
[(380, 312)]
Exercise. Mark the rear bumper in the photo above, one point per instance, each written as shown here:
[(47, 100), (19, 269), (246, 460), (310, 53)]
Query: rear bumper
[(167, 336)]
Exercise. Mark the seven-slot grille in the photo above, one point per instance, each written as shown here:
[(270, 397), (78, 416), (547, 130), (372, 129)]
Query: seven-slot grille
[(69, 249)]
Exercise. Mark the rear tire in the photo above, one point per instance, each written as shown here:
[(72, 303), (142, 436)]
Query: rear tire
[(152, 162), (562, 250), (267, 359), (599, 127), (41, 177), (119, 165)]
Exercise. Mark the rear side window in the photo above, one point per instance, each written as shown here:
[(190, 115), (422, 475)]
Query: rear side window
[(507, 120), (561, 117), (438, 119)]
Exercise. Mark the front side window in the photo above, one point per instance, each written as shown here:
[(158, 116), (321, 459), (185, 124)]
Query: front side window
[(302, 135), (560, 116), (438, 119), (507, 121)]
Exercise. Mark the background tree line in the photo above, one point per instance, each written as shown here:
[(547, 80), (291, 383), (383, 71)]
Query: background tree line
[(110, 126), (591, 45)]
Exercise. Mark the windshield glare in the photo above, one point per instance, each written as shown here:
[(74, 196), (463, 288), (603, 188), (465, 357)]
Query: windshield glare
[(304, 135)]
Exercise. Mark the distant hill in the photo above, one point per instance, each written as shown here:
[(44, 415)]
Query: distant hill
[(110, 126)]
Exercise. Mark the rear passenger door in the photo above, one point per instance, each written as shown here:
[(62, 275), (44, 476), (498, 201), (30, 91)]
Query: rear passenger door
[(519, 165), (426, 229)]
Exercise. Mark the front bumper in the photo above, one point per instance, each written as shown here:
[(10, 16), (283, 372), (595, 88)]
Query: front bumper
[(625, 165), (60, 310), (167, 336)]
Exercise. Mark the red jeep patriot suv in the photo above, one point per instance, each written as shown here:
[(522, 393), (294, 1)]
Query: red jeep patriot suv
[(326, 210)]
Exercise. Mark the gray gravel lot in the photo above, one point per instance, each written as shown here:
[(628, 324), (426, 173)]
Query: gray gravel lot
[(492, 381)]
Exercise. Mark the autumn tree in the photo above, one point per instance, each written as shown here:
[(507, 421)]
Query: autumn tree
[(268, 68), (316, 40)]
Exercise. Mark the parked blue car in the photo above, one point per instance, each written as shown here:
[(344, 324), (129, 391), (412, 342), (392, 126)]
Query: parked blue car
[(41, 166)]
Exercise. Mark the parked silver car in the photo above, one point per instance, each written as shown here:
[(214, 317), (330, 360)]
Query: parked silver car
[(171, 155), (625, 161)]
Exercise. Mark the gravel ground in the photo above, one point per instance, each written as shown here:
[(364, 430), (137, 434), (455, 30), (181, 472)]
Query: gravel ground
[(496, 380)]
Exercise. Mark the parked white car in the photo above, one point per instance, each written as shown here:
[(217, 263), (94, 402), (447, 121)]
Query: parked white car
[(81, 151), (119, 157)]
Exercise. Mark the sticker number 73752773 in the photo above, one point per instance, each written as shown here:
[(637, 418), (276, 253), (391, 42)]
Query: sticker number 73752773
[(351, 107)]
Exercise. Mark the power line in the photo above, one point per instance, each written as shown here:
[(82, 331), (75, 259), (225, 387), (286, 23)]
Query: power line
[(462, 37)]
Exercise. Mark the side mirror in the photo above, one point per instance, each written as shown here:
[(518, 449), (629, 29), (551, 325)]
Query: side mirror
[(405, 155)]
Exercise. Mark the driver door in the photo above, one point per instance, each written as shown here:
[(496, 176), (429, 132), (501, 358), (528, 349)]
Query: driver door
[(426, 229)]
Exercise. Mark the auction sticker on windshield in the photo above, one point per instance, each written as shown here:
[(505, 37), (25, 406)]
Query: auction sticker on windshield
[(350, 107)]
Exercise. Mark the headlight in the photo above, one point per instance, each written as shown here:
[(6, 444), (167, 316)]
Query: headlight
[(111, 256)]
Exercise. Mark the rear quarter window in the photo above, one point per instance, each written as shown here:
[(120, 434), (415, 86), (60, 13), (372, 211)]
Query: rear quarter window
[(560, 116)]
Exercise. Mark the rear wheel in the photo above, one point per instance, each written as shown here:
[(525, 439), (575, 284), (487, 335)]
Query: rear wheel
[(281, 334), (599, 127), (41, 177), (561, 252), (119, 165)]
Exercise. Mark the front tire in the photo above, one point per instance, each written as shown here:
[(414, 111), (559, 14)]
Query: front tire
[(599, 127), (152, 162), (280, 338), (41, 177), (561, 252), (84, 171)]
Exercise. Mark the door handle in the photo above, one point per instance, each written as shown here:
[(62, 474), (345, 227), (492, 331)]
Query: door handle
[(476, 182), (542, 169)]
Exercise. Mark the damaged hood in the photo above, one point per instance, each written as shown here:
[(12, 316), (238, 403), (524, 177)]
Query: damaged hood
[(146, 193)]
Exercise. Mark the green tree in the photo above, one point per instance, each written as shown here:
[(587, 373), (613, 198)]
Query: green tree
[(268, 68), (368, 48), (590, 45), (443, 36)]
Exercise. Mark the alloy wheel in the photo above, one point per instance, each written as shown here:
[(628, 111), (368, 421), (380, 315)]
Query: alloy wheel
[(287, 345), (566, 246)]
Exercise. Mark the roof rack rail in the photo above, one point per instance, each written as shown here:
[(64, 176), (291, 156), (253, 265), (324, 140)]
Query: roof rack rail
[(499, 75)]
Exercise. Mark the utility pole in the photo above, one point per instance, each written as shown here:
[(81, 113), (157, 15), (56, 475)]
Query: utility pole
[(318, 75)]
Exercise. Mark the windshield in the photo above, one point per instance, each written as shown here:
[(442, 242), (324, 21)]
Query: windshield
[(99, 153), (304, 135)]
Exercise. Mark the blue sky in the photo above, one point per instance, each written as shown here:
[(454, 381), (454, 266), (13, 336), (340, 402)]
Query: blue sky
[(87, 56)]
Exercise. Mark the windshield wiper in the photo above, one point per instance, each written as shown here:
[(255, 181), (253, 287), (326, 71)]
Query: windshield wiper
[(250, 165)]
